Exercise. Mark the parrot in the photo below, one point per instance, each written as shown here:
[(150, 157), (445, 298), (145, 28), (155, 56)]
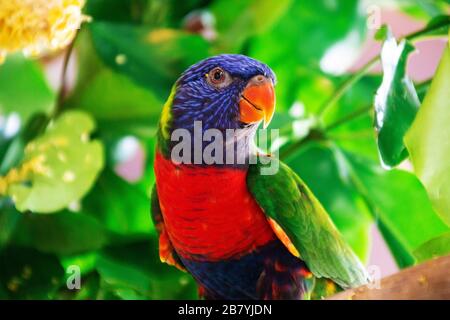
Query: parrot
[(241, 234)]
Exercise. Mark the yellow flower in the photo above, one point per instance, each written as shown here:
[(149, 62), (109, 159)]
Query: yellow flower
[(37, 26)]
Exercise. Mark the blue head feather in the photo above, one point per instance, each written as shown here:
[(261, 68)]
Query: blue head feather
[(196, 100)]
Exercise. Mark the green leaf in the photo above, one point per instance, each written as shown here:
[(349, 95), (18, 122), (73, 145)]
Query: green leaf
[(64, 165), (119, 11), (428, 140), (89, 63), (314, 89), (86, 261), (136, 268), (128, 107), (396, 102), (129, 216), (238, 20), (29, 274), (124, 101), (63, 233), (154, 58), (423, 10), (12, 149), (3, 293), (437, 247), (318, 166), (403, 256), (440, 20), (13, 154), (23, 88), (399, 202), (143, 12), (382, 34), (9, 219)]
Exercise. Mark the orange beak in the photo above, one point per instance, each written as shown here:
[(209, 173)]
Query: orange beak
[(257, 101)]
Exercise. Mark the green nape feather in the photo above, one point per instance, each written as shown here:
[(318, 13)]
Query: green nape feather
[(285, 198), (163, 134)]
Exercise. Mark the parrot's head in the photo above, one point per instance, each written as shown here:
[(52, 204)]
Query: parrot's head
[(228, 91)]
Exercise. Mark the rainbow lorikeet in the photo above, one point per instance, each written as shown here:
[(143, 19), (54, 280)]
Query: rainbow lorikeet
[(240, 233)]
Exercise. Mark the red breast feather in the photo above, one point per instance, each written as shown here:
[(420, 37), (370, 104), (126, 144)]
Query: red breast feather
[(208, 211)]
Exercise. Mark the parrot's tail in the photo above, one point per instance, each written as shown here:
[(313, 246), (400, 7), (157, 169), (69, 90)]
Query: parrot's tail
[(285, 278)]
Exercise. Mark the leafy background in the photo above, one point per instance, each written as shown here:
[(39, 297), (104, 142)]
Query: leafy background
[(76, 163)]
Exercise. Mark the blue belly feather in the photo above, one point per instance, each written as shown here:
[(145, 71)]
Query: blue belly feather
[(252, 276)]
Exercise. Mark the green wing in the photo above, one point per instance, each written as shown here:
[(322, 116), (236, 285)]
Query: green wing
[(285, 198)]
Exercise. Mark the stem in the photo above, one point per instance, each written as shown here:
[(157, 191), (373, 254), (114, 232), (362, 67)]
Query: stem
[(286, 153), (346, 85), (428, 29), (351, 116), (314, 135), (62, 88)]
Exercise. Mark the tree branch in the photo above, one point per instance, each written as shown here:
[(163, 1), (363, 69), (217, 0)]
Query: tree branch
[(426, 281), (63, 85)]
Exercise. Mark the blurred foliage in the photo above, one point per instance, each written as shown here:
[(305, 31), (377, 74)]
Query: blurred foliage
[(436, 247), (28, 77), (60, 159), (129, 56), (428, 138)]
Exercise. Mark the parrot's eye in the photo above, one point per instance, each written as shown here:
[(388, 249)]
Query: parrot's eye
[(218, 78)]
